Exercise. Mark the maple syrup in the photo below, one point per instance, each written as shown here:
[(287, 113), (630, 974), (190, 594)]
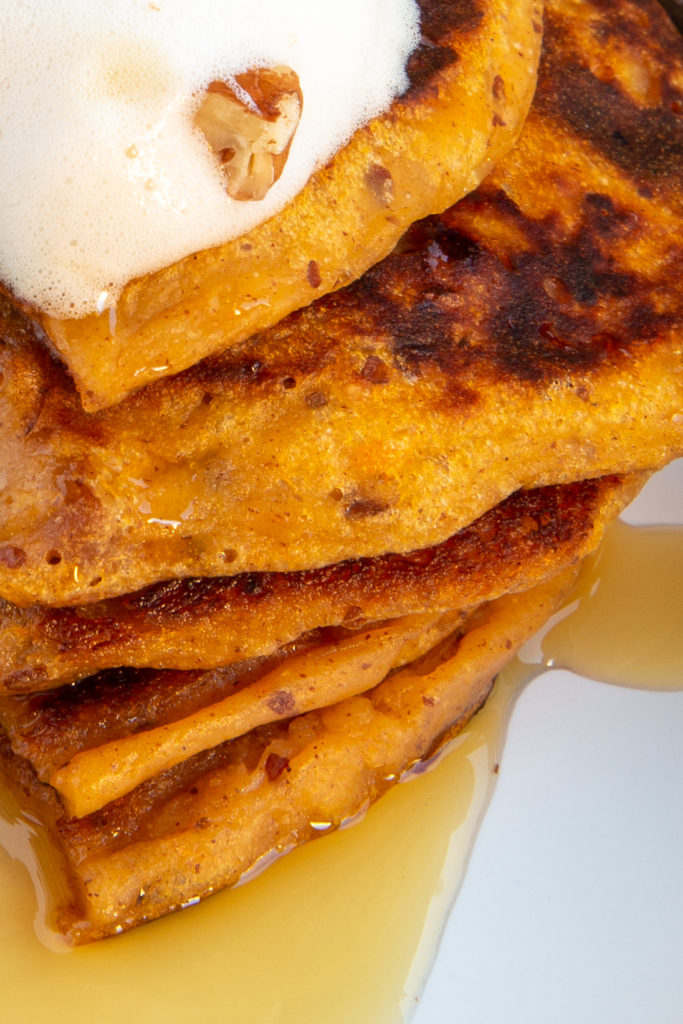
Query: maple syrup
[(346, 929), (624, 624)]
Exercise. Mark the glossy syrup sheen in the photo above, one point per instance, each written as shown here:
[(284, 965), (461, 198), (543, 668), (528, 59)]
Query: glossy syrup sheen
[(345, 930), (625, 622)]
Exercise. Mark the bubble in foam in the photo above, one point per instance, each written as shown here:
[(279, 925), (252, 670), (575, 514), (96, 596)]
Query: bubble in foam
[(102, 174)]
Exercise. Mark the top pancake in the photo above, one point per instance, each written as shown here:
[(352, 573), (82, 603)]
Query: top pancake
[(529, 336), (471, 82)]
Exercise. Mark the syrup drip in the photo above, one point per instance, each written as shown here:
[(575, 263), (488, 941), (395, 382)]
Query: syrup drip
[(344, 930), (625, 623)]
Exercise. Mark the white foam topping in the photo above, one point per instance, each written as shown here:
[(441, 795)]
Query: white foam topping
[(102, 175)]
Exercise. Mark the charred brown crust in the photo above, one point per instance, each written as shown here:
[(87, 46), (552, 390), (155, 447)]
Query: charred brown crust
[(554, 287), (442, 21), (439, 24), (531, 333), (223, 808), (536, 335), (645, 141), (507, 548)]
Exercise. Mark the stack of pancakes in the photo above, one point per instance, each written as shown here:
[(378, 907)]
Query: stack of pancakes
[(239, 603)]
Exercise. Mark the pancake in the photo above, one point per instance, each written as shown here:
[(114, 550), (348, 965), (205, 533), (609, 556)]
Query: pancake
[(207, 822), (110, 759), (529, 336), (97, 741), (200, 624), (471, 81), (400, 480)]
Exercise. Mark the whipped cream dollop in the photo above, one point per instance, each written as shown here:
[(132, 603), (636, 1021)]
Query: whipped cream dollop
[(104, 175)]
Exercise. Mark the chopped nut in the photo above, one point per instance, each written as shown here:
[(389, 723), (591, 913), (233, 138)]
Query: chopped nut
[(276, 765), (250, 126)]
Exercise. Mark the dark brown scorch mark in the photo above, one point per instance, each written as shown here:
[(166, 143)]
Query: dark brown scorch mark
[(424, 65), (547, 320), (549, 302), (646, 143), (51, 727), (439, 22), (401, 300)]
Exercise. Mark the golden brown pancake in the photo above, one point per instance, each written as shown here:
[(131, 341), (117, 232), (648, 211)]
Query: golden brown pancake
[(199, 624), (206, 822), (471, 81), (96, 741), (377, 464), (531, 335), (113, 755)]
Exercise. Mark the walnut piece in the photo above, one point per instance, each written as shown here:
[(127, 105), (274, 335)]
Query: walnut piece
[(249, 125)]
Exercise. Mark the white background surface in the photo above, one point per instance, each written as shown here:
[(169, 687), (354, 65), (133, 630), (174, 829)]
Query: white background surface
[(572, 905)]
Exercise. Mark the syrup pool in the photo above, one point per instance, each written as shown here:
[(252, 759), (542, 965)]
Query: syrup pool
[(345, 931)]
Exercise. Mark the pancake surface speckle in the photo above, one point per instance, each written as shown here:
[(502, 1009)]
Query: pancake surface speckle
[(530, 335)]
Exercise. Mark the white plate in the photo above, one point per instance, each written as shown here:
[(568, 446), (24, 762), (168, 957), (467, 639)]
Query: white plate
[(572, 906)]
